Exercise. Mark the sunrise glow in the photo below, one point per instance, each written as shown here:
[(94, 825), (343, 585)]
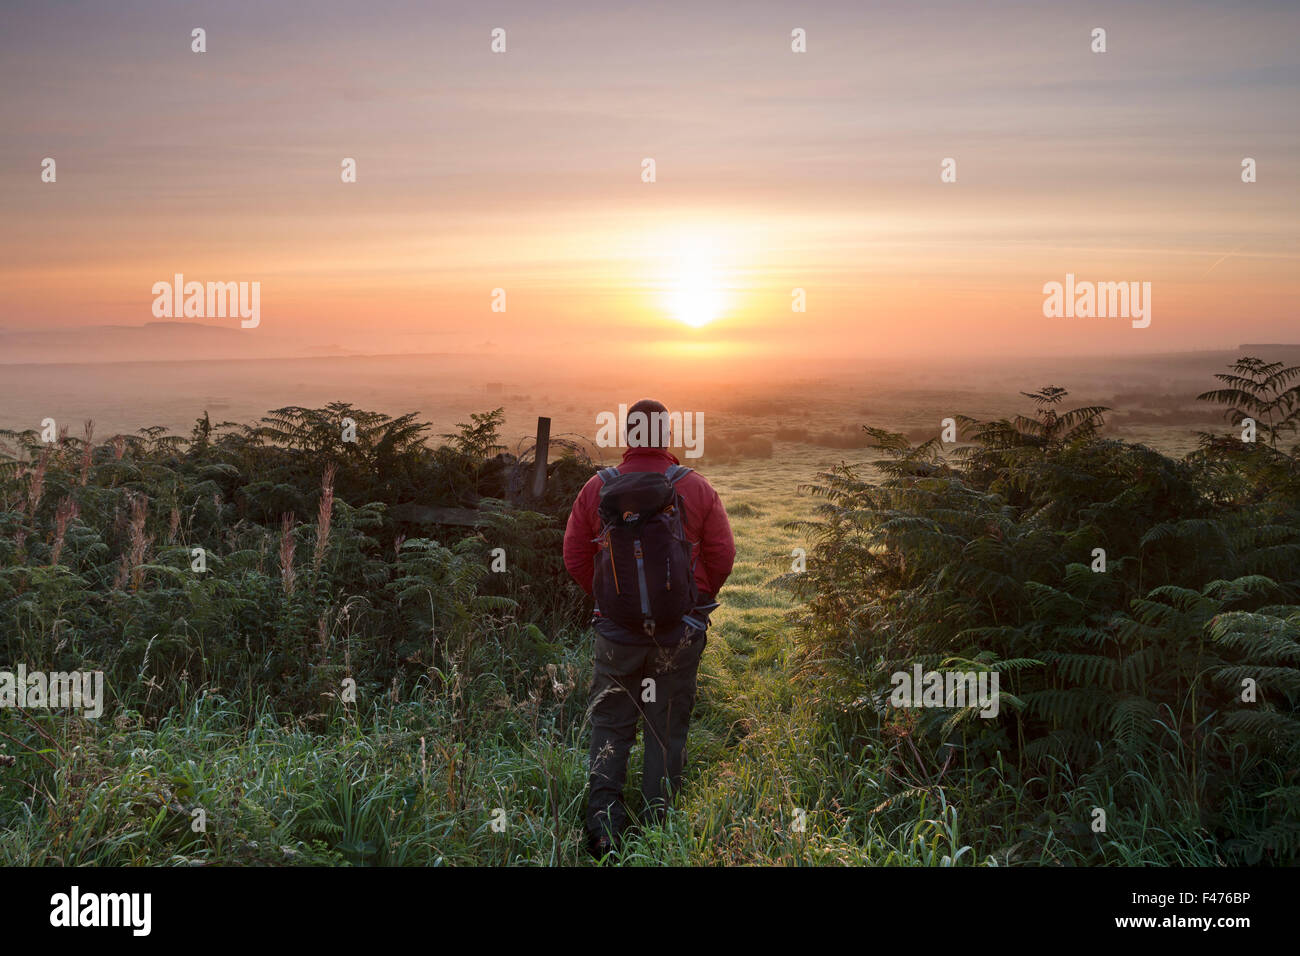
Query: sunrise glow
[(695, 294)]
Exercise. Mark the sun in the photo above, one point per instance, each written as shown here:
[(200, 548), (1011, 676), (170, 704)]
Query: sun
[(695, 300), (695, 294)]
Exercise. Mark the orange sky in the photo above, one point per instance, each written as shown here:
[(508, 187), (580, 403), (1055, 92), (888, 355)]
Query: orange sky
[(775, 170)]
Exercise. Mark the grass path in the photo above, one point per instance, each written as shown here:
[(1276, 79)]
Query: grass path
[(757, 751)]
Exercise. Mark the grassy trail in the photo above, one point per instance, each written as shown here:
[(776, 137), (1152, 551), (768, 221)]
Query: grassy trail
[(757, 750)]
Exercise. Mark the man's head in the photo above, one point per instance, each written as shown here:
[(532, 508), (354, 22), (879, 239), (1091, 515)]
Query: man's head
[(648, 418)]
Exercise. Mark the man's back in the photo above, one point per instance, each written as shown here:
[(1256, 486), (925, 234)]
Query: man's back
[(706, 523), (646, 677)]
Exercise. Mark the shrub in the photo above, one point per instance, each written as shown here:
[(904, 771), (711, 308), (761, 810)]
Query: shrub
[(1115, 680)]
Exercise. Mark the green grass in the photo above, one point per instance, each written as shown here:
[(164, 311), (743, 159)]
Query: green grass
[(417, 780), (778, 771)]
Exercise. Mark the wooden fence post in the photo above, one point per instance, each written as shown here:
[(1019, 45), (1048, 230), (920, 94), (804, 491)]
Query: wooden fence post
[(539, 456)]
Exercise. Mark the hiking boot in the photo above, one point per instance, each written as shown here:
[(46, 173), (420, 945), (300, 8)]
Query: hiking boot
[(600, 847)]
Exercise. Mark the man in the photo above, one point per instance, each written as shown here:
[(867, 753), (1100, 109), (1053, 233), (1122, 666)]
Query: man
[(646, 672)]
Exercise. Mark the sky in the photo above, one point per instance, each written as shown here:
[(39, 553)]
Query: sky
[(774, 171)]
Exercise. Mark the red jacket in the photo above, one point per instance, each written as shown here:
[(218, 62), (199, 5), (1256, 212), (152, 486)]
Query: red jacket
[(707, 527)]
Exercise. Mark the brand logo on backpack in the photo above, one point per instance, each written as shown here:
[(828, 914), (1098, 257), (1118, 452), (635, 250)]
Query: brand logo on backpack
[(644, 577)]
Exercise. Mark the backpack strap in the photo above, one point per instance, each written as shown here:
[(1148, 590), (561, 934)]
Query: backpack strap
[(607, 474), (676, 473)]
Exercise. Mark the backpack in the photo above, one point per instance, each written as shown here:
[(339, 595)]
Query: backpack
[(644, 577)]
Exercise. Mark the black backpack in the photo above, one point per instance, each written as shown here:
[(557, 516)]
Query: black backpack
[(644, 577)]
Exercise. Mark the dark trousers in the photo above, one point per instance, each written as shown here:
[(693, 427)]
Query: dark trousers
[(655, 685)]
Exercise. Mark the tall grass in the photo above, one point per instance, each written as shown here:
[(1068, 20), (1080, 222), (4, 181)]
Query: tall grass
[(342, 688)]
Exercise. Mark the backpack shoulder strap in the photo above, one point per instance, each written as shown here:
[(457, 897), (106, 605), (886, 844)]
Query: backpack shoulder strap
[(607, 474), (676, 473)]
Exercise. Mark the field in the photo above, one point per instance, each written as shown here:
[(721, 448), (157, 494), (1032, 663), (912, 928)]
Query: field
[(342, 688)]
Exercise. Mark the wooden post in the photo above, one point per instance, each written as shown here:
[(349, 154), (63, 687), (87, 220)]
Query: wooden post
[(539, 456)]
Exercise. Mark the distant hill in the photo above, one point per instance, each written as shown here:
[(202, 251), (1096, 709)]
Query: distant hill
[(154, 341)]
